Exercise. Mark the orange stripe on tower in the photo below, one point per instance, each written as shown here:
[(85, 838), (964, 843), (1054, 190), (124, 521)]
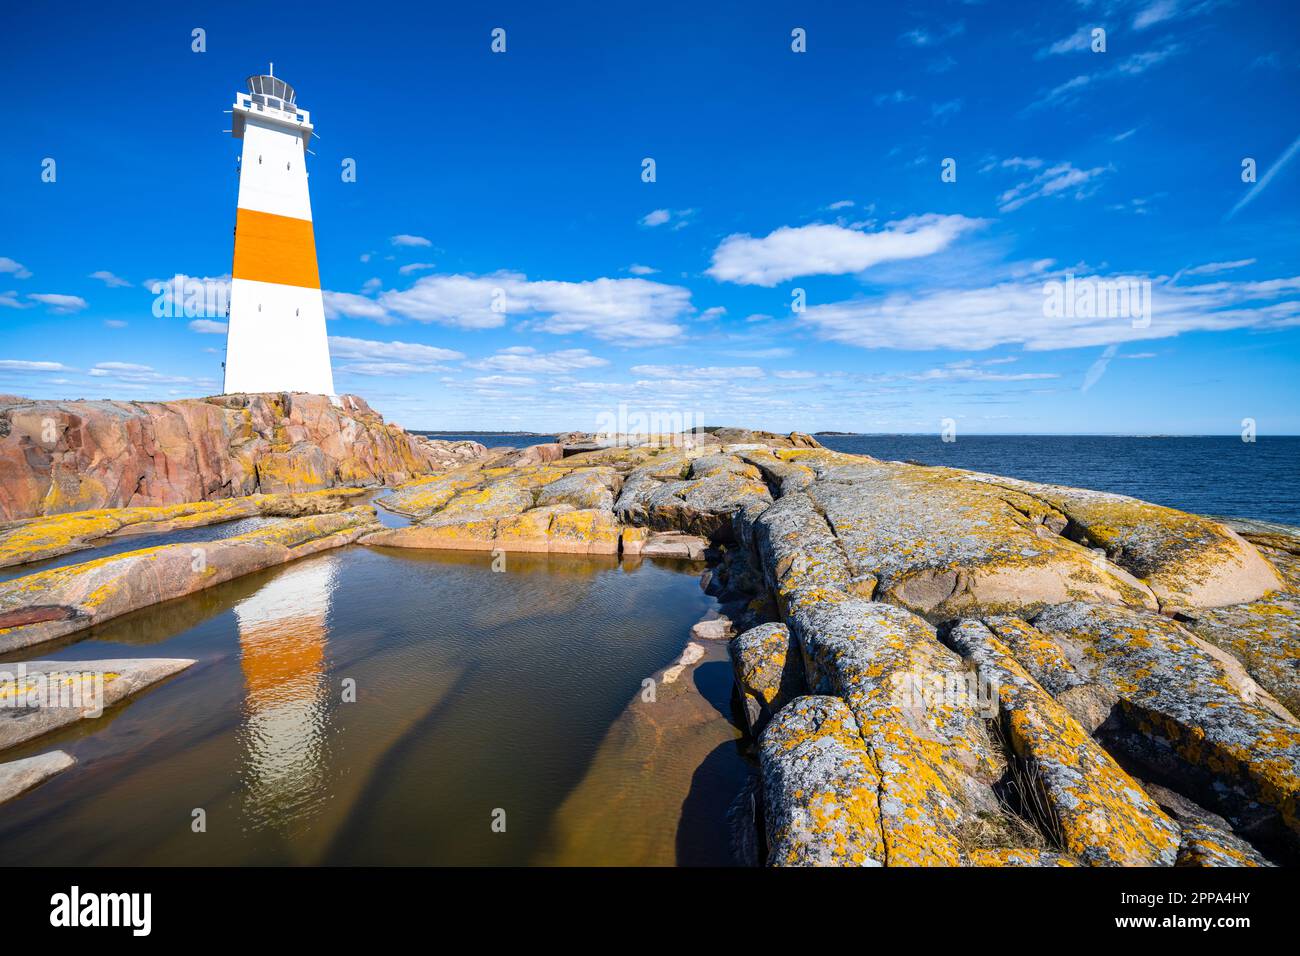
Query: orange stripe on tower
[(271, 248)]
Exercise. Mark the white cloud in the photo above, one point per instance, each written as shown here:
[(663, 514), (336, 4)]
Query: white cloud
[(1013, 312), (1153, 13), (509, 380), (926, 38), (1061, 178), (341, 346), (10, 301), (406, 240), (1080, 39), (821, 249), (110, 280), (16, 269), (390, 368), (793, 373), (135, 375), (694, 372), (841, 204), (410, 267), (19, 365), (524, 358), (1210, 268), (208, 327), (639, 270), (349, 305), (617, 310), (680, 218), (58, 303), (114, 324)]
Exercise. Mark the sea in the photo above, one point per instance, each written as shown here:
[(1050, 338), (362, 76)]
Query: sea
[(1209, 474)]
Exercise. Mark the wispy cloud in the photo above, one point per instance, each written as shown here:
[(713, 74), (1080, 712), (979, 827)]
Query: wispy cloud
[(526, 359), (404, 239), (110, 280), (1264, 180), (1061, 179), (58, 303), (16, 269), (1013, 312), (821, 249)]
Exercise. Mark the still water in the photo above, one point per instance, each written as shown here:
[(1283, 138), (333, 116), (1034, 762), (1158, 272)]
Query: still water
[(476, 692)]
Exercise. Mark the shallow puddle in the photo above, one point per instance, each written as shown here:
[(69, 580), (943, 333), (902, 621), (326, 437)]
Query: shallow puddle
[(481, 698)]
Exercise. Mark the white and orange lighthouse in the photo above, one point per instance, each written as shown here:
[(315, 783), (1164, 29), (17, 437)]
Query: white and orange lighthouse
[(276, 340)]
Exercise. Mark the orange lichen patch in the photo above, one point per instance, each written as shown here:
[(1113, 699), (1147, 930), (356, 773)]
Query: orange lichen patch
[(35, 539), (1188, 561), (1104, 816), (271, 248), (1265, 636), (585, 531), (1195, 699), (1204, 845), (1027, 856), (632, 540), (424, 496), (934, 758), (942, 545), (820, 788)]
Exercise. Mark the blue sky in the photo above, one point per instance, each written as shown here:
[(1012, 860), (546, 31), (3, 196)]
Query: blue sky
[(519, 174)]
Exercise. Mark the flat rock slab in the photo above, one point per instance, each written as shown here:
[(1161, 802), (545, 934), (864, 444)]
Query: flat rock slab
[(19, 776), (41, 696), (49, 604), (37, 539)]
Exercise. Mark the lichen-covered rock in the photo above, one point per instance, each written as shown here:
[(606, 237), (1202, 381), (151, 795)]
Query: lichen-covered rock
[(769, 672), (36, 539), (819, 788), (945, 546), (585, 531), (798, 550), (935, 760), (49, 604), (58, 457), (1018, 857), (585, 489), (1204, 845), (1198, 714), (1187, 560), (1264, 635), (1104, 816), (19, 776), (1087, 699), (58, 693), (662, 495)]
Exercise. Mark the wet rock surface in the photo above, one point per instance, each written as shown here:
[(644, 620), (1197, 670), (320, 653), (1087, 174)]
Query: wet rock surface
[(19, 776), (49, 604), (48, 695)]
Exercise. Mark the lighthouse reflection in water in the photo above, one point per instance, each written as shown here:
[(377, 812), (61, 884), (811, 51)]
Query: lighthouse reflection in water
[(285, 730)]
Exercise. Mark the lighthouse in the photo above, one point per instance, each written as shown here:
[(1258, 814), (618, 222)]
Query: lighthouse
[(276, 339)]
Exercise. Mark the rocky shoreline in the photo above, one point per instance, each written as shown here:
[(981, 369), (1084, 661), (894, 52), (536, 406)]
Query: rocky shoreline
[(932, 666)]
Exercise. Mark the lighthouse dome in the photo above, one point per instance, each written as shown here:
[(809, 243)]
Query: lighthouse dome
[(272, 87)]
